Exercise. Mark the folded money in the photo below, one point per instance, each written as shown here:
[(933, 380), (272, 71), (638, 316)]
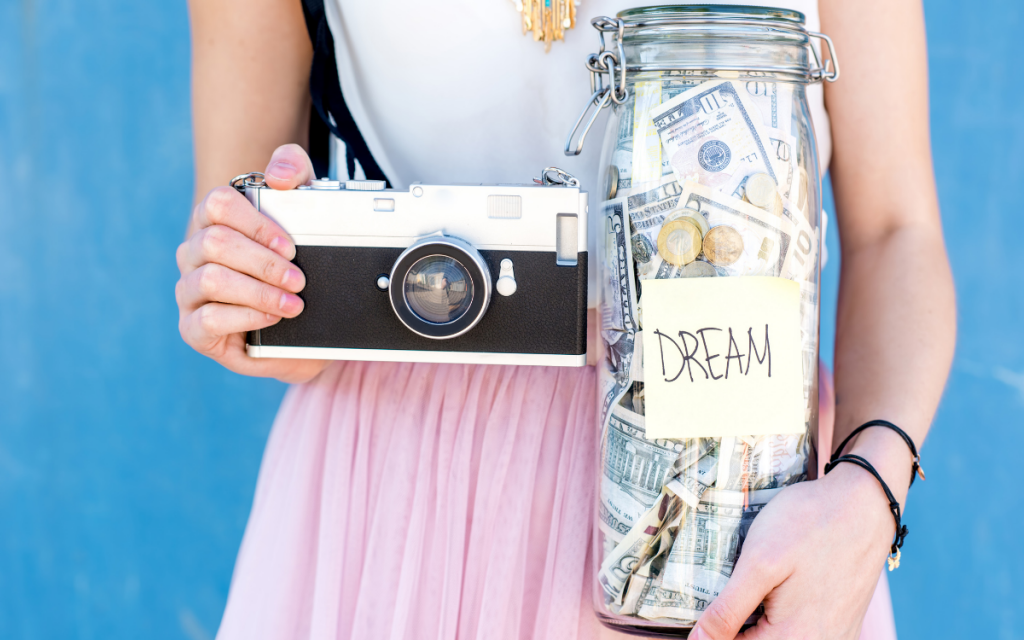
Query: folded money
[(709, 181)]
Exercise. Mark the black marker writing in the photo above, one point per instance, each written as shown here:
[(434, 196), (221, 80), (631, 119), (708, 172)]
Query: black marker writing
[(753, 351), (689, 344)]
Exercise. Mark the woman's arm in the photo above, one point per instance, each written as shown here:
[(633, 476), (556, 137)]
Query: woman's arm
[(250, 85), (250, 68), (813, 555), (896, 321)]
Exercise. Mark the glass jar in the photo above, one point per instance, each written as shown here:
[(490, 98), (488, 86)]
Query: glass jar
[(709, 229)]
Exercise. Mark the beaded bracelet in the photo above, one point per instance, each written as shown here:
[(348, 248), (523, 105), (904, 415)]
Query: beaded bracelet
[(894, 506)]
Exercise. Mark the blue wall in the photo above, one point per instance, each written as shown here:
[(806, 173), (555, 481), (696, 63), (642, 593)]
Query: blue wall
[(128, 463)]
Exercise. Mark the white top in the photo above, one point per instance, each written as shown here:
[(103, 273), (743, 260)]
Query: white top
[(454, 92)]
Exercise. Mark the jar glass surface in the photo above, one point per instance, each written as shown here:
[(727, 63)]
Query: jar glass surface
[(709, 170)]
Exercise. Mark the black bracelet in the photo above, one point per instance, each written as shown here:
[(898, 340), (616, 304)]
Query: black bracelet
[(894, 506), (915, 468)]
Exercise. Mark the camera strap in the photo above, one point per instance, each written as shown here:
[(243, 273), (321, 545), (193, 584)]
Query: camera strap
[(325, 90)]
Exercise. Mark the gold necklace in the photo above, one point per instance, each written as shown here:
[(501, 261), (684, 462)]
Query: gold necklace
[(547, 19)]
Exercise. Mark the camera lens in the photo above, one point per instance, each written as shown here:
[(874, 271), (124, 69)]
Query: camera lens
[(438, 289)]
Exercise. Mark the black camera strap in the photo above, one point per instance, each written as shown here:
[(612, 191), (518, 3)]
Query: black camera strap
[(325, 89)]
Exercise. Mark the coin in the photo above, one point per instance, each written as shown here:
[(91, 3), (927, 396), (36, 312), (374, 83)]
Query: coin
[(723, 245), (613, 181), (679, 242), (698, 269), (760, 190), (643, 248), (698, 220)]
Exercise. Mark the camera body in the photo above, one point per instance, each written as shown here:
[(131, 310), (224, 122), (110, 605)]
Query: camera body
[(492, 274)]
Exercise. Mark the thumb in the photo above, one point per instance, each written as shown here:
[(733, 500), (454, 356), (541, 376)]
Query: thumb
[(728, 612), (289, 167)]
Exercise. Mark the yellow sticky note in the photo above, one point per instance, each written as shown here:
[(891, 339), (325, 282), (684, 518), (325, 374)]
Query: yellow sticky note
[(722, 357)]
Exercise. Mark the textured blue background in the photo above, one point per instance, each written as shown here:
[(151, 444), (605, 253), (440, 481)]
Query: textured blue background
[(128, 463)]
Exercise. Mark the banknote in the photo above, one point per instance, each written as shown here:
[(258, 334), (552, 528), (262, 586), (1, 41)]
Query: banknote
[(766, 240), (648, 205), (778, 460), (691, 484), (625, 558), (618, 306), (633, 470), (774, 101), (711, 133)]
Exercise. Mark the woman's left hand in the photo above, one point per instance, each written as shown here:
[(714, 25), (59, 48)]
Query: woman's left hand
[(813, 556)]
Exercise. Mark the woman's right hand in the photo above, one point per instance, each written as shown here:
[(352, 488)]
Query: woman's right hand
[(236, 275)]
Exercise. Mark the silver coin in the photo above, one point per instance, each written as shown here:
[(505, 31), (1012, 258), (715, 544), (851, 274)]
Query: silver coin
[(760, 190), (698, 269)]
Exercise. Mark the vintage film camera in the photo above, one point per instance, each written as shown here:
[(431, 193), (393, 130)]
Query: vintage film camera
[(492, 274)]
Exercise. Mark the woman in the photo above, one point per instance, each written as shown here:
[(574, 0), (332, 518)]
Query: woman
[(411, 501)]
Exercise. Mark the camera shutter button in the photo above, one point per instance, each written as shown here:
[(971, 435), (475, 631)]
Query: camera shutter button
[(506, 285)]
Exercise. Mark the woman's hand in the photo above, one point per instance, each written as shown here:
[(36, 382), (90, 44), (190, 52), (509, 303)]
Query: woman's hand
[(236, 275), (813, 556)]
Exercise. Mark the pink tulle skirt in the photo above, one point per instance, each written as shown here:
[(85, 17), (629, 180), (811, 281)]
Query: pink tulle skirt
[(432, 502)]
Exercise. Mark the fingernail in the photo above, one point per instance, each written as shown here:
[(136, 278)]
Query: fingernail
[(289, 301), (697, 634), (283, 246), (282, 170), (290, 275)]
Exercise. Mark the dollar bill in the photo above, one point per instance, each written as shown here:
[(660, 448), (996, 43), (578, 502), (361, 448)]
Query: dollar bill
[(774, 101), (711, 134), (619, 322), (628, 554), (704, 554), (634, 469), (647, 206), (691, 484), (778, 460), (767, 240)]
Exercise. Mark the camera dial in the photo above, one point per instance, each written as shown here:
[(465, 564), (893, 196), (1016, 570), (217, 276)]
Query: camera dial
[(440, 287)]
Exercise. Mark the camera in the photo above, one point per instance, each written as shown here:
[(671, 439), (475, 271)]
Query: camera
[(493, 274)]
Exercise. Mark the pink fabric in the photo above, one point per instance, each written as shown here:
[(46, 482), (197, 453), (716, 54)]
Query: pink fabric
[(429, 501)]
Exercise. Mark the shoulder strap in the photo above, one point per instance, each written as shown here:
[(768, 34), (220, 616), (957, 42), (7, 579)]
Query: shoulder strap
[(325, 89)]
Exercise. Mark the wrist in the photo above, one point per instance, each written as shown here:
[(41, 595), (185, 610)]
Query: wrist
[(889, 455)]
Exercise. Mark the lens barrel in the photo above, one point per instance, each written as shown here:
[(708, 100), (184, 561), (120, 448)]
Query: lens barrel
[(440, 287)]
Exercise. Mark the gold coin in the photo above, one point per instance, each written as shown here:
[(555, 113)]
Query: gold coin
[(691, 215), (760, 190), (613, 181), (698, 220), (679, 242), (723, 245)]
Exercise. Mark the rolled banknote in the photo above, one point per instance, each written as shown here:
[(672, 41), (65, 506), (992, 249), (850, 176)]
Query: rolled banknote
[(619, 322)]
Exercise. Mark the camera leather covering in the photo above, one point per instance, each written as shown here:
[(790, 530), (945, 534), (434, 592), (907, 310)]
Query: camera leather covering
[(345, 309)]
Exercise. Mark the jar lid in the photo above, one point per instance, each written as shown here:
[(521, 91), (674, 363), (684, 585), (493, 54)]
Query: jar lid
[(719, 10)]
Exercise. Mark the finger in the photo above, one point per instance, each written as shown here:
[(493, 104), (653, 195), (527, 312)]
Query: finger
[(289, 167), (203, 328), (225, 206), (726, 614), (225, 246), (216, 283)]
